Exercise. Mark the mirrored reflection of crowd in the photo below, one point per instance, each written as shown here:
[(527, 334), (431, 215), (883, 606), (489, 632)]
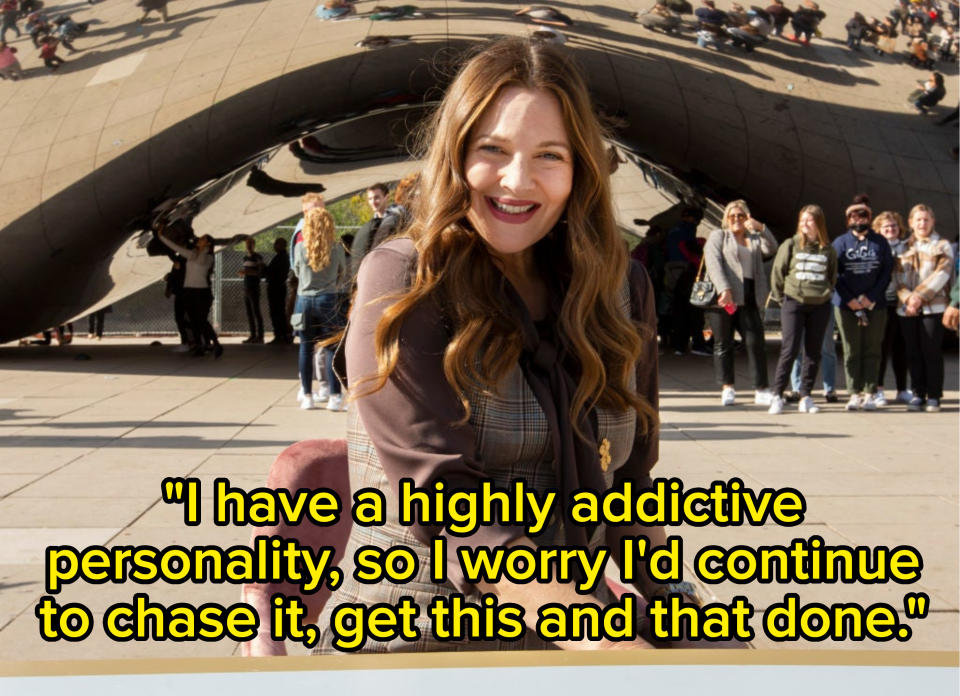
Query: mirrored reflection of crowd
[(889, 286)]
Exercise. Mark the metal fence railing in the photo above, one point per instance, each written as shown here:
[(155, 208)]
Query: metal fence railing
[(148, 312)]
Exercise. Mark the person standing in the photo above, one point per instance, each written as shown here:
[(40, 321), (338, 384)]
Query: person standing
[(9, 64), (48, 51), (363, 240), (9, 12), (320, 266), (890, 225), (734, 256), (197, 295), (276, 274), (923, 276), (252, 267), (864, 264), (802, 281)]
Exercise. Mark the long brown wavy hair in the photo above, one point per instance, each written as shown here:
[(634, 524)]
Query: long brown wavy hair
[(455, 267), (319, 231), (819, 219)]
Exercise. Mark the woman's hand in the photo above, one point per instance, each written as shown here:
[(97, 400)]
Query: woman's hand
[(914, 303), (725, 298), (754, 225), (951, 318), (854, 304)]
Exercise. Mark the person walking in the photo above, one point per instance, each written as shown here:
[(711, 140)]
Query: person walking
[(802, 281), (864, 264), (734, 256), (924, 274)]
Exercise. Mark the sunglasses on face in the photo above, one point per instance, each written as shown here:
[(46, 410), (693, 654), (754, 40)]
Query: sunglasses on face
[(737, 216)]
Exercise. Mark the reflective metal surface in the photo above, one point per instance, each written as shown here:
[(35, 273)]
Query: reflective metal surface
[(139, 124)]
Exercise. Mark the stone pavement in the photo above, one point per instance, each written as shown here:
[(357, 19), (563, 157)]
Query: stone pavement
[(84, 445)]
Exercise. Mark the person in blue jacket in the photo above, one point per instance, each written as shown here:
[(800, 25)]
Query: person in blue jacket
[(864, 264)]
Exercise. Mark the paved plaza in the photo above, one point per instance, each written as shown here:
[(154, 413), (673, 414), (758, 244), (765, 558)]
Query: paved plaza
[(85, 443)]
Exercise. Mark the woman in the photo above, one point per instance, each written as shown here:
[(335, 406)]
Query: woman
[(197, 295), (253, 268), (924, 273), (495, 340), (734, 258), (320, 266), (890, 226), (804, 273), (864, 263), (933, 91), (9, 64)]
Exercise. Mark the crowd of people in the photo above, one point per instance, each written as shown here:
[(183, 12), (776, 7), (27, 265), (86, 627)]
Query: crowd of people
[(889, 286), (47, 34)]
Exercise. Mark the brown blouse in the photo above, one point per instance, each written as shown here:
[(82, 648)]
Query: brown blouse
[(406, 430)]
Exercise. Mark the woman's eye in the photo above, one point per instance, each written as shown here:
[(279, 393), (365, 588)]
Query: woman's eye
[(552, 156), (489, 148)]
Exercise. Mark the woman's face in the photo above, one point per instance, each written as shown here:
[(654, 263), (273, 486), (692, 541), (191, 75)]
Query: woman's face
[(890, 230), (808, 226), (921, 222), (737, 220), (519, 167)]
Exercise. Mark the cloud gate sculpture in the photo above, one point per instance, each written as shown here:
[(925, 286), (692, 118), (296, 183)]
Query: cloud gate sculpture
[(210, 110)]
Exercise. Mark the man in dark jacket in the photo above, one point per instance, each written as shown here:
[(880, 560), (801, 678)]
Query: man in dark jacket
[(276, 275)]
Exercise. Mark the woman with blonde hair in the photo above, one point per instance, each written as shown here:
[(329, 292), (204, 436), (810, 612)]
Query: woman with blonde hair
[(734, 256), (320, 266), (504, 338), (889, 224), (924, 273), (804, 275)]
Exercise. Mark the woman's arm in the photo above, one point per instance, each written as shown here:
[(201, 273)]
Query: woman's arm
[(778, 274), (713, 255), (768, 243), (188, 254), (929, 287)]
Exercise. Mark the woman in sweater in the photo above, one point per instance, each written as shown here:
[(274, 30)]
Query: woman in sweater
[(924, 273), (320, 265), (734, 256), (804, 273), (890, 225), (197, 295), (864, 263)]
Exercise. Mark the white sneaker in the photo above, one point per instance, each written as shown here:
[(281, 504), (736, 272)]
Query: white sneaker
[(728, 396), (322, 393), (299, 394), (869, 403), (763, 397), (904, 396), (335, 402), (880, 399), (776, 406), (306, 403), (854, 403), (806, 405)]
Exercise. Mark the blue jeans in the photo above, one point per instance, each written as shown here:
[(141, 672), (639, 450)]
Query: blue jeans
[(322, 318), (828, 361)]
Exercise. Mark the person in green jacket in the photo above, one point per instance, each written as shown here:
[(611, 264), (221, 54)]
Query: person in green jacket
[(802, 281)]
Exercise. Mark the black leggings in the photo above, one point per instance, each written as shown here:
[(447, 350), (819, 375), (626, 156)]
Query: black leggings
[(806, 323), (747, 320), (251, 299), (923, 337), (198, 302), (893, 348)]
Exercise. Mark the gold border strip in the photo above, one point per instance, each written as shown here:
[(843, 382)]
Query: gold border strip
[(465, 660)]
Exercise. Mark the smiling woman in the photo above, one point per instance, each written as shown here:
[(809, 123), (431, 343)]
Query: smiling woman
[(504, 339)]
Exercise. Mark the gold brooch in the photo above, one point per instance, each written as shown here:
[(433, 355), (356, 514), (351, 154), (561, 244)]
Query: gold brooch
[(604, 454)]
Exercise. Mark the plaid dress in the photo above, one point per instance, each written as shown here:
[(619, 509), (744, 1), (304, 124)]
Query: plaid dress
[(512, 441)]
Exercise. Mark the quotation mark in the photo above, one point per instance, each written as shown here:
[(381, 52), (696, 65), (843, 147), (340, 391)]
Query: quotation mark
[(186, 491), (916, 604)]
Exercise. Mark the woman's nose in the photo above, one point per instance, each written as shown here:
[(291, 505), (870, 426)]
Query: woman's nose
[(515, 175)]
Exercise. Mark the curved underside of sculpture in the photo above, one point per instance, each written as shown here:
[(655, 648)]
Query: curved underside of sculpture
[(185, 111)]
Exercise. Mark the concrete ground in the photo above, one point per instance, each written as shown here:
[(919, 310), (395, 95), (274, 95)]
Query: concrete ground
[(85, 443)]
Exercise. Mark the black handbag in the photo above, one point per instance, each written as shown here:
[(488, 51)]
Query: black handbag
[(703, 294)]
